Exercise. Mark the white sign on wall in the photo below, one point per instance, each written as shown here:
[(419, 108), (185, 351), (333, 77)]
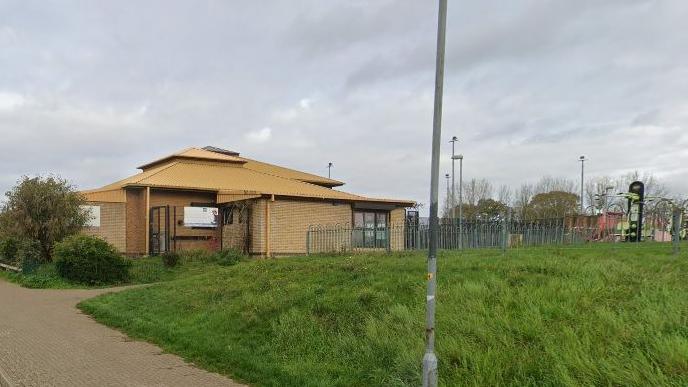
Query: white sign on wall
[(93, 213), (200, 217)]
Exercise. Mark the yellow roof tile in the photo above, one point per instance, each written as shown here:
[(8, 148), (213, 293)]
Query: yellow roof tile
[(105, 196), (194, 154), (203, 154), (197, 169), (272, 169)]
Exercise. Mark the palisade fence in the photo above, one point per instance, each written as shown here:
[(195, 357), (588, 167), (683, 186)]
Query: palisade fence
[(454, 235)]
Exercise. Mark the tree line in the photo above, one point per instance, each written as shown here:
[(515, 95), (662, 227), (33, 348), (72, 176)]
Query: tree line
[(550, 197)]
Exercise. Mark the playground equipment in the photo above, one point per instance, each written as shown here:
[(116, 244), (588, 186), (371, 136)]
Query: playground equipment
[(657, 222)]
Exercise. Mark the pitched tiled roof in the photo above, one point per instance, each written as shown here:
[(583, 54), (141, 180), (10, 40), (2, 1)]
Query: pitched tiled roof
[(229, 177), (194, 154), (210, 153), (105, 196), (290, 173)]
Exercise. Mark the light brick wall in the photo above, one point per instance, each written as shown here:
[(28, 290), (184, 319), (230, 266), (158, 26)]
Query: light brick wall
[(136, 222), (289, 221), (112, 224), (397, 221), (235, 235), (257, 227)]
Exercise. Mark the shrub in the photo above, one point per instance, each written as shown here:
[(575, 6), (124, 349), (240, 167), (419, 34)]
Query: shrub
[(170, 259), (44, 209), (229, 257), (29, 255), (88, 259), (8, 250)]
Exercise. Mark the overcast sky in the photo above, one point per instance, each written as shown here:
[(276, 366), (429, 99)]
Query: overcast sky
[(91, 89)]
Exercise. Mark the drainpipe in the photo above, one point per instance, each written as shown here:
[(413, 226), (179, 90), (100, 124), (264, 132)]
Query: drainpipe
[(147, 221)]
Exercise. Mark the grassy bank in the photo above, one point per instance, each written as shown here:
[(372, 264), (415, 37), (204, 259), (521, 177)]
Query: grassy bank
[(539, 316), (143, 271)]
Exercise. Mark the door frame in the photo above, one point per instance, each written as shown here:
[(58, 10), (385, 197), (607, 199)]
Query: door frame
[(157, 213)]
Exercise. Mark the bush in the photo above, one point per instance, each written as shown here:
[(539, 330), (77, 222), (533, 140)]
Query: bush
[(229, 257), (8, 250), (29, 256), (91, 260), (44, 209), (170, 259)]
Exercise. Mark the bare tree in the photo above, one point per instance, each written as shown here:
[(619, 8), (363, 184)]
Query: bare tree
[(475, 190), (598, 186), (520, 199), (549, 184), (504, 194), (523, 196), (653, 185)]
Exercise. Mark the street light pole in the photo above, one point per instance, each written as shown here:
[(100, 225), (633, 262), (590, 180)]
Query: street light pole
[(453, 189), (460, 157), (606, 205), (582, 160), (329, 170), (448, 200), (430, 359)]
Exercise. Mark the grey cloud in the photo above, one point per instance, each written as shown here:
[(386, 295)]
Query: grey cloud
[(529, 87)]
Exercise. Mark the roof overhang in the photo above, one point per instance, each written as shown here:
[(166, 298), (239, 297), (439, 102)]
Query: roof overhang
[(376, 206), (330, 183), (105, 196), (236, 196)]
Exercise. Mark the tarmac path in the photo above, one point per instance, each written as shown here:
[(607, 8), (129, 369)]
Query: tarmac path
[(46, 341)]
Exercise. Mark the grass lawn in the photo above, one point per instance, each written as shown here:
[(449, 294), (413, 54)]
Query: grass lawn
[(143, 271), (588, 316)]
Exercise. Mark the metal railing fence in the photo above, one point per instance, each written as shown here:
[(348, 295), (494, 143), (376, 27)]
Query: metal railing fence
[(453, 236)]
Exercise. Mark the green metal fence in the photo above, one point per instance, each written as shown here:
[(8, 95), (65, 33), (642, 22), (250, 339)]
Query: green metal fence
[(452, 236)]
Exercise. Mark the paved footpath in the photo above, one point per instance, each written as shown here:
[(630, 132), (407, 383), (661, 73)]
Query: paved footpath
[(46, 341)]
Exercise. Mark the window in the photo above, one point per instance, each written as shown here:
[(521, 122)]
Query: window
[(93, 214), (370, 229), (227, 215), (234, 214)]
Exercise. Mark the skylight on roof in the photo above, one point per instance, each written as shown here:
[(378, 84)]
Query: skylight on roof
[(215, 149)]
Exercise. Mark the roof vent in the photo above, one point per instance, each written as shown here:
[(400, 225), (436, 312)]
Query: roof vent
[(220, 150)]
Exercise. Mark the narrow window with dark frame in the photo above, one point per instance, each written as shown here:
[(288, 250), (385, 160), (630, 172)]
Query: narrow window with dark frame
[(370, 229)]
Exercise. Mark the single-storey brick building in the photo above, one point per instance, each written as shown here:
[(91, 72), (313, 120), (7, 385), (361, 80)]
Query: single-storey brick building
[(212, 198)]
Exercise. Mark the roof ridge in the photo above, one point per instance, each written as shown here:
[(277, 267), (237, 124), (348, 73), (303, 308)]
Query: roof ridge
[(193, 153), (162, 168), (292, 169)]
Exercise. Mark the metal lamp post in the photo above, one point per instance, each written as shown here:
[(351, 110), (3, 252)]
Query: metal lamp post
[(606, 203), (582, 160), (453, 185), (329, 170), (606, 209), (446, 176), (460, 157), (429, 376)]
